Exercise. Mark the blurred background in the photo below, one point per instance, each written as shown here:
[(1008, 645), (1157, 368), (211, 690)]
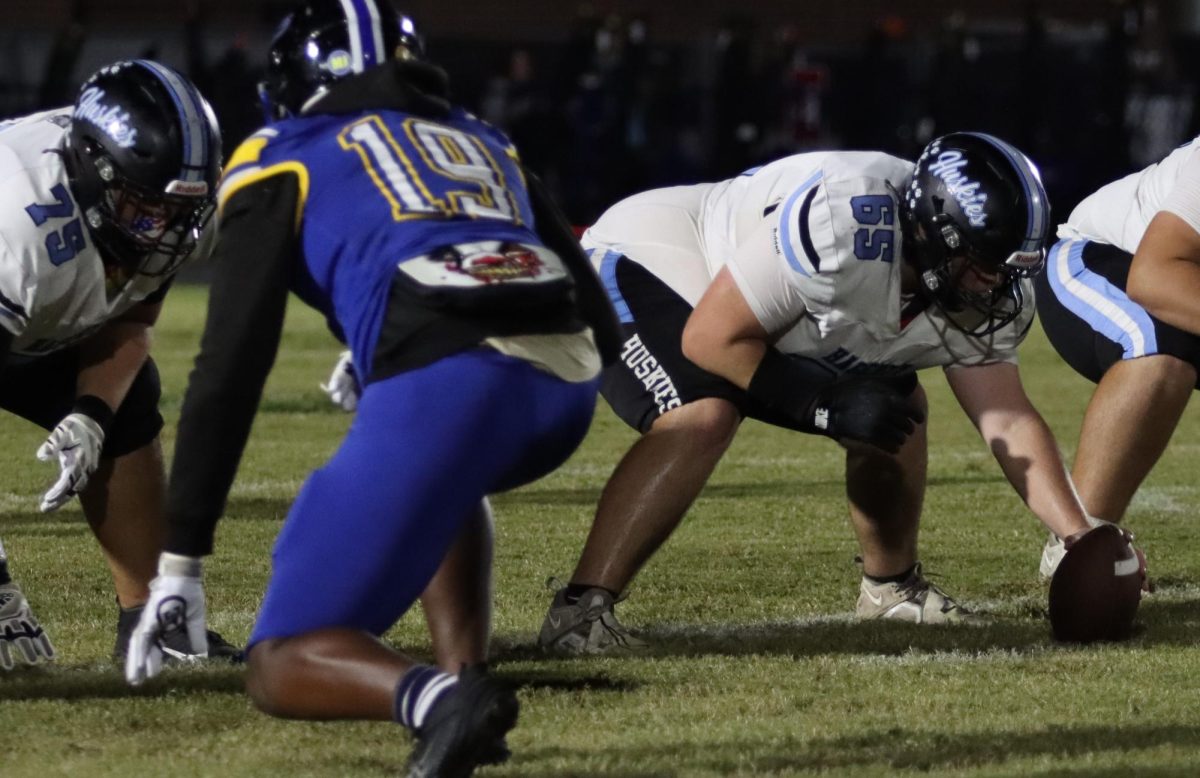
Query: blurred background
[(609, 97)]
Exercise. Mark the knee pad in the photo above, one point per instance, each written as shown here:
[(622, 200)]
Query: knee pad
[(138, 421)]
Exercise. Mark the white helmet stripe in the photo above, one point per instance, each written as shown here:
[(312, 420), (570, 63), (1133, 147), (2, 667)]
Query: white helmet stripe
[(193, 120), (366, 33)]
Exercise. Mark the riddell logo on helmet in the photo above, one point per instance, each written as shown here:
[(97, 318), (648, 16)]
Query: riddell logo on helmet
[(948, 167), (109, 118), (189, 188)]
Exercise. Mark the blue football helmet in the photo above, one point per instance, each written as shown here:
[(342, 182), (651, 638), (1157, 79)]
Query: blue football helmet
[(323, 41)]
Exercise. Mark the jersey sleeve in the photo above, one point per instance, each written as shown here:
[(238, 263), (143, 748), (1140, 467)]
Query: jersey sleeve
[(1184, 198), (251, 163), (246, 306), (826, 250)]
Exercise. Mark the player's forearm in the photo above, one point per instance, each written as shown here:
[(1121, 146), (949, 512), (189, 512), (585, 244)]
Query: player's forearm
[(1164, 276), (111, 359), (723, 336), (213, 429), (735, 360), (1170, 292), (1029, 457), (246, 305)]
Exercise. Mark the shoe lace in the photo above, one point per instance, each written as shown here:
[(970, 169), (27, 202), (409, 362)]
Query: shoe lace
[(915, 587), (923, 584)]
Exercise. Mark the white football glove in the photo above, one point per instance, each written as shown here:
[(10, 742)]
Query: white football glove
[(176, 603), (22, 639), (343, 388), (76, 443)]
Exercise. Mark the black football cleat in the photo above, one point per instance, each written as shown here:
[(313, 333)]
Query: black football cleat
[(175, 645), (466, 728)]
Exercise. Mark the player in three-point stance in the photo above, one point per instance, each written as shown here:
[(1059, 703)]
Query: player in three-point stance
[(806, 293), (1118, 302), (473, 317), (100, 204)]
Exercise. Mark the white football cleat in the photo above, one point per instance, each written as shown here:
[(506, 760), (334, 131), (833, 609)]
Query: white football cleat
[(914, 600), (1052, 555)]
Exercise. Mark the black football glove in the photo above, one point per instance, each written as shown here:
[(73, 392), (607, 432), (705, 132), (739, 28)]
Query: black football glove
[(867, 410)]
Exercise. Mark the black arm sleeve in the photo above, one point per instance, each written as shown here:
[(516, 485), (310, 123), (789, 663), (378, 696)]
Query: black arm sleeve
[(790, 386), (594, 305), (246, 306)]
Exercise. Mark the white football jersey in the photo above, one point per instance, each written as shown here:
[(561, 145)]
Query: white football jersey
[(814, 243), (53, 286), (1118, 213)]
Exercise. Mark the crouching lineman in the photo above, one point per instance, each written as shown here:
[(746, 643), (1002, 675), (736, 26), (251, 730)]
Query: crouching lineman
[(1118, 302), (470, 311), (100, 203), (805, 293)]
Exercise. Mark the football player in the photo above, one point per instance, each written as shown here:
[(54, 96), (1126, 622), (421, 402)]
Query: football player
[(469, 310), (806, 293), (100, 204), (1118, 302)]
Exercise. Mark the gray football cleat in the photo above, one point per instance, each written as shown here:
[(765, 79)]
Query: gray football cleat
[(175, 646), (914, 599), (588, 626)]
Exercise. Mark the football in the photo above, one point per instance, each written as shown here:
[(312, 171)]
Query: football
[(1095, 592)]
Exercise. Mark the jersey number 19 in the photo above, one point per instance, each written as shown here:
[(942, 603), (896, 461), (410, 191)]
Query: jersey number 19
[(453, 173)]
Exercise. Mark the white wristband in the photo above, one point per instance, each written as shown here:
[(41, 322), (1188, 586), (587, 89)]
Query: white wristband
[(178, 565)]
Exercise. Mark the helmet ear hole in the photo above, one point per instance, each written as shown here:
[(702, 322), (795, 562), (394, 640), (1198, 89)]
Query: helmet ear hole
[(105, 169), (951, 237)]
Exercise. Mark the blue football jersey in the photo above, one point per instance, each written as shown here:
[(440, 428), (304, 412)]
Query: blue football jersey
[(379, 188)]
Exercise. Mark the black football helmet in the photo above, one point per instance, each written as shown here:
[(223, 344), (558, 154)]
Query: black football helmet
[(323, 41), (975, 203), (143, 154)]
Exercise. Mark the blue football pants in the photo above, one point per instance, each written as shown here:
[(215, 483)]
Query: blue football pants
[(369, 529)]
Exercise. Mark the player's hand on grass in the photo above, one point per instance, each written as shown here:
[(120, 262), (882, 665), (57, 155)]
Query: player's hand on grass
[(22, 639), (76, 443), (176, 604), (343, 387)]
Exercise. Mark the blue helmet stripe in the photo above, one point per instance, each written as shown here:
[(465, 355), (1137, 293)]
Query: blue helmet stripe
[(1037, 210), (192, 119), (366, 33)]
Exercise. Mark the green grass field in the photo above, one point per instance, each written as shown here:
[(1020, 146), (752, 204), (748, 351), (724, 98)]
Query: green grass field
[(758, 668)]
